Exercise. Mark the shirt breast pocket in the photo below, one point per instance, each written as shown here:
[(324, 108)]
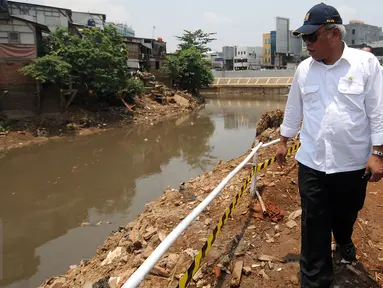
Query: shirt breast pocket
[(310, 96), (351, 94)]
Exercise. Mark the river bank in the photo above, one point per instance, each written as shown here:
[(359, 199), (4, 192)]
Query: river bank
[(267, 248), (156, 105)]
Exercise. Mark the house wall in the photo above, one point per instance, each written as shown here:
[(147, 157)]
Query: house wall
[(25, 31), (48, 16), (17, 92), (15, 54)]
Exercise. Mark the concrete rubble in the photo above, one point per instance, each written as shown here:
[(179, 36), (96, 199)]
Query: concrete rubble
[(252, 250)]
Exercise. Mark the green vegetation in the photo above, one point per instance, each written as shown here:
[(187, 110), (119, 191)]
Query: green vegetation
[(197, 39), (188, 68), (97, 61)]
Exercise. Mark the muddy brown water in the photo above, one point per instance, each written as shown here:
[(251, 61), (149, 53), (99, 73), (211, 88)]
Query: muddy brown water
[(48, 191)]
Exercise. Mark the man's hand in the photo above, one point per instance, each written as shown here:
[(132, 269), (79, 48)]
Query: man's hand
[(281, 154), (375, 165)]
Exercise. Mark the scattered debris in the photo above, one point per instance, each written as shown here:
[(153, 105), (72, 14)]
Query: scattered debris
[(237, 273), (198, 275), (149, 233), (294, 279), (113, 282), (191, 252), (267, 258), (263, 274), (161, 216), (208, 221), (291, 224), (112, 255), (159, 271), (352, 269), (295, 214), (161, 235), (246, 271), (271, 265)]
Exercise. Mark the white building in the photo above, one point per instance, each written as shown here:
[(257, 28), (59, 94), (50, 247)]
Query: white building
[(41, 14), (215, 59), (87, 19), (248, 58), (123, 29)]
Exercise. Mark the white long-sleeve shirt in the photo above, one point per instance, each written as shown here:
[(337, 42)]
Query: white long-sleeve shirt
[(342, 110)]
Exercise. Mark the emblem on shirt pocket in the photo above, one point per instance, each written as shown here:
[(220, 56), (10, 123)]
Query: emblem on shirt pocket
[(350, 86)]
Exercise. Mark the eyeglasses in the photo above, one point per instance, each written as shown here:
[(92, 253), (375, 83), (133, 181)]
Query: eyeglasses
[(313, 36), (310, 37)]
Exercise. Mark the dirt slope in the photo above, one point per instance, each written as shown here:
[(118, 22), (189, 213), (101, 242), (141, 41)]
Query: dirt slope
[(266, 247)]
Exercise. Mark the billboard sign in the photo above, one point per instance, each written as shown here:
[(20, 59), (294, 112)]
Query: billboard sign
[(283, 35), (295, 44)]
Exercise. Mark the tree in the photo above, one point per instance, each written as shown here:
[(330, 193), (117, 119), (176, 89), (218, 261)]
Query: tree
[(197, 39), (189, 70), (97, 60), (49, 69)]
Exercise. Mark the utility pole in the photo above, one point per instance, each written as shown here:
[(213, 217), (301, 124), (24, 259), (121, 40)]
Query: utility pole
[(154, 28)]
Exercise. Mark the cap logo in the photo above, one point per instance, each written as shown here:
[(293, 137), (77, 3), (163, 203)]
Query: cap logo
[(330, 20), (307, 17)]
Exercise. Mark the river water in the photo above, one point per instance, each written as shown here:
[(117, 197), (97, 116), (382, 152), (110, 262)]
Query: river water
[(48, 191)]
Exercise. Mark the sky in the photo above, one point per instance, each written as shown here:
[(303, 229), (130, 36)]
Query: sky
[(237, 23)]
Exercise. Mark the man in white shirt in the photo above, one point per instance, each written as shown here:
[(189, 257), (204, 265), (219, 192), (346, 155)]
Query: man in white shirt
[(338, 93)]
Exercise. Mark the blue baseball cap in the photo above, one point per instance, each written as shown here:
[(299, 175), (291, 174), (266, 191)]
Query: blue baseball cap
[(318, 16)]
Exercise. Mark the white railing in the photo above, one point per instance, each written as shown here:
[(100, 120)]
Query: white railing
[(139, 275), (253, 81)]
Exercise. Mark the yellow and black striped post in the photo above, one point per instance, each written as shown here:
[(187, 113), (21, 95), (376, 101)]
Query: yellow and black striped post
[(184, 281)]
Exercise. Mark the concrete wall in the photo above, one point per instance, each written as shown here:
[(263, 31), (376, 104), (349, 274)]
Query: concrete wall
[(48, 16), (25, 31), (254, 73), (244, 92)]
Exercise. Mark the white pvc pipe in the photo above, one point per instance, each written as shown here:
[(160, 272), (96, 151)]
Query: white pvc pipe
[(149, 263), (271, 143), (254, 178)]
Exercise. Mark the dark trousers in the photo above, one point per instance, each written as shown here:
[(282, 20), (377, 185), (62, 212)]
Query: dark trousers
[(330, 203)]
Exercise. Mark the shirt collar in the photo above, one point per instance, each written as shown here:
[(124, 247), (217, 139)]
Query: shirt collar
[(345, 55)]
